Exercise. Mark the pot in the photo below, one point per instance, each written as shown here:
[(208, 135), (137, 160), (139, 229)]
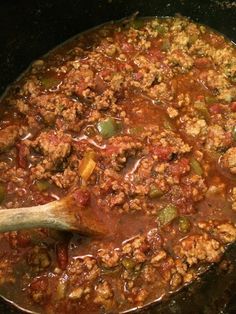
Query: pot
[(31, 28)]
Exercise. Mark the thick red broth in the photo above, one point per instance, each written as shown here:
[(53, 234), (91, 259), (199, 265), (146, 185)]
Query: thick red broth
[(140, 117)]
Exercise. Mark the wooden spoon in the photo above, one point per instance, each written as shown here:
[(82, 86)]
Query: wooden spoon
[(65, 214)]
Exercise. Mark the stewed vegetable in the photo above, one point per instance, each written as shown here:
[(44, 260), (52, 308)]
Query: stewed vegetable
[(108, 127), (167, 214)]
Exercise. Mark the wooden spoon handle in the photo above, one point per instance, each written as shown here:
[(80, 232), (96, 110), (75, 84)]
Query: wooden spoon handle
[(63, 214), (32, 217)]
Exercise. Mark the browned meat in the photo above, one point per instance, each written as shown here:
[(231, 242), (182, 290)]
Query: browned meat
[(229, 160), (8, 137)]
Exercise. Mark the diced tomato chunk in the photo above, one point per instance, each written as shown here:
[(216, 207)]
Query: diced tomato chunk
[(215, 108), (179, 168), (38, 289), (18, 239), (201, 98), (100, 84), (82, 196), (41, 199), (215, 40), (128, 48), (80, 146), (111, 149), (23, 151), (104, 73), (163, 153), (23, 239), (40, 283), (119, 37), (62, 255), (138, 76), (166, 266), (155, 54), (202, 63), (228, 139), (59, 123), (233, 106)]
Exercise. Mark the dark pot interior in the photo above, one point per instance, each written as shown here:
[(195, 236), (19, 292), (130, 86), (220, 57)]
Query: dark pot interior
[(30, 28)]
